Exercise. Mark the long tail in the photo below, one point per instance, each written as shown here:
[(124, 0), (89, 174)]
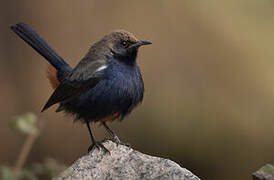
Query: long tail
[(40, 45)]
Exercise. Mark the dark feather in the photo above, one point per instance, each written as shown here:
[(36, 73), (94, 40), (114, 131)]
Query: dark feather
[(40, 45), (75, 85)]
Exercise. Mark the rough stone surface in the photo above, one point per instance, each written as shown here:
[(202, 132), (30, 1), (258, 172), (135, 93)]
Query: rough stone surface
[(124, 163), (265, 173)]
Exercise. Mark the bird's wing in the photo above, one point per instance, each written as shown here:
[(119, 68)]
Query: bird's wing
[(83, 77)]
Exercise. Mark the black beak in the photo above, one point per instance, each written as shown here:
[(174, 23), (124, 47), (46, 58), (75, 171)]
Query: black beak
[(140, 43)]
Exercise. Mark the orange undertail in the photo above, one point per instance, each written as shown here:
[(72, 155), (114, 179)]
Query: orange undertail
[(52, 76), (111, 117)]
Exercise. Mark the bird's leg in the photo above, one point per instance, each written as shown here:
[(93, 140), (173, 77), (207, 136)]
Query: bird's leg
[(114, 137), (95, 144)]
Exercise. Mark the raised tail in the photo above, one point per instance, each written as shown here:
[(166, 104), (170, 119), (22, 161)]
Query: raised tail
[(41, 46)]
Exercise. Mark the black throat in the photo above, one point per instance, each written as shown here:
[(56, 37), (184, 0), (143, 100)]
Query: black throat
[(128, 58)]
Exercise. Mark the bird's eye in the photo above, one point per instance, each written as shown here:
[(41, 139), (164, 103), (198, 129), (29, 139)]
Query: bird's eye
[(125, 43)]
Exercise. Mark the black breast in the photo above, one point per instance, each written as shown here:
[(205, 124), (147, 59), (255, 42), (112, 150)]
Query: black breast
[(121, 91)]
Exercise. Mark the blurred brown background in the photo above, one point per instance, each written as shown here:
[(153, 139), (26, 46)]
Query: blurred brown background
[(209, 78)]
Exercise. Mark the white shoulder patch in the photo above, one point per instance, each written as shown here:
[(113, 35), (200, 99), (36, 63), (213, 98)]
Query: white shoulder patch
[(101, 68)]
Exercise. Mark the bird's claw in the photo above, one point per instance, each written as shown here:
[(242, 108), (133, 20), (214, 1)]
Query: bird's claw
[(99, 146), (116, 140)]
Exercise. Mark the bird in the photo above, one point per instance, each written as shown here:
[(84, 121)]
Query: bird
[(105, 85)]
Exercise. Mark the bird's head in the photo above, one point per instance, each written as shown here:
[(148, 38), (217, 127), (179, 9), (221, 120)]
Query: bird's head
[(123, 44)]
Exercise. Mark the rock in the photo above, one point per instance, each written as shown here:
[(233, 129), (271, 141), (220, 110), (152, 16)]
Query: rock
[(124, 163), (265, 173)]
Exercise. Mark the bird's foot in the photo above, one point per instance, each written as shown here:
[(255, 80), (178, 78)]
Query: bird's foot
[(116, 140), (99, 146)]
